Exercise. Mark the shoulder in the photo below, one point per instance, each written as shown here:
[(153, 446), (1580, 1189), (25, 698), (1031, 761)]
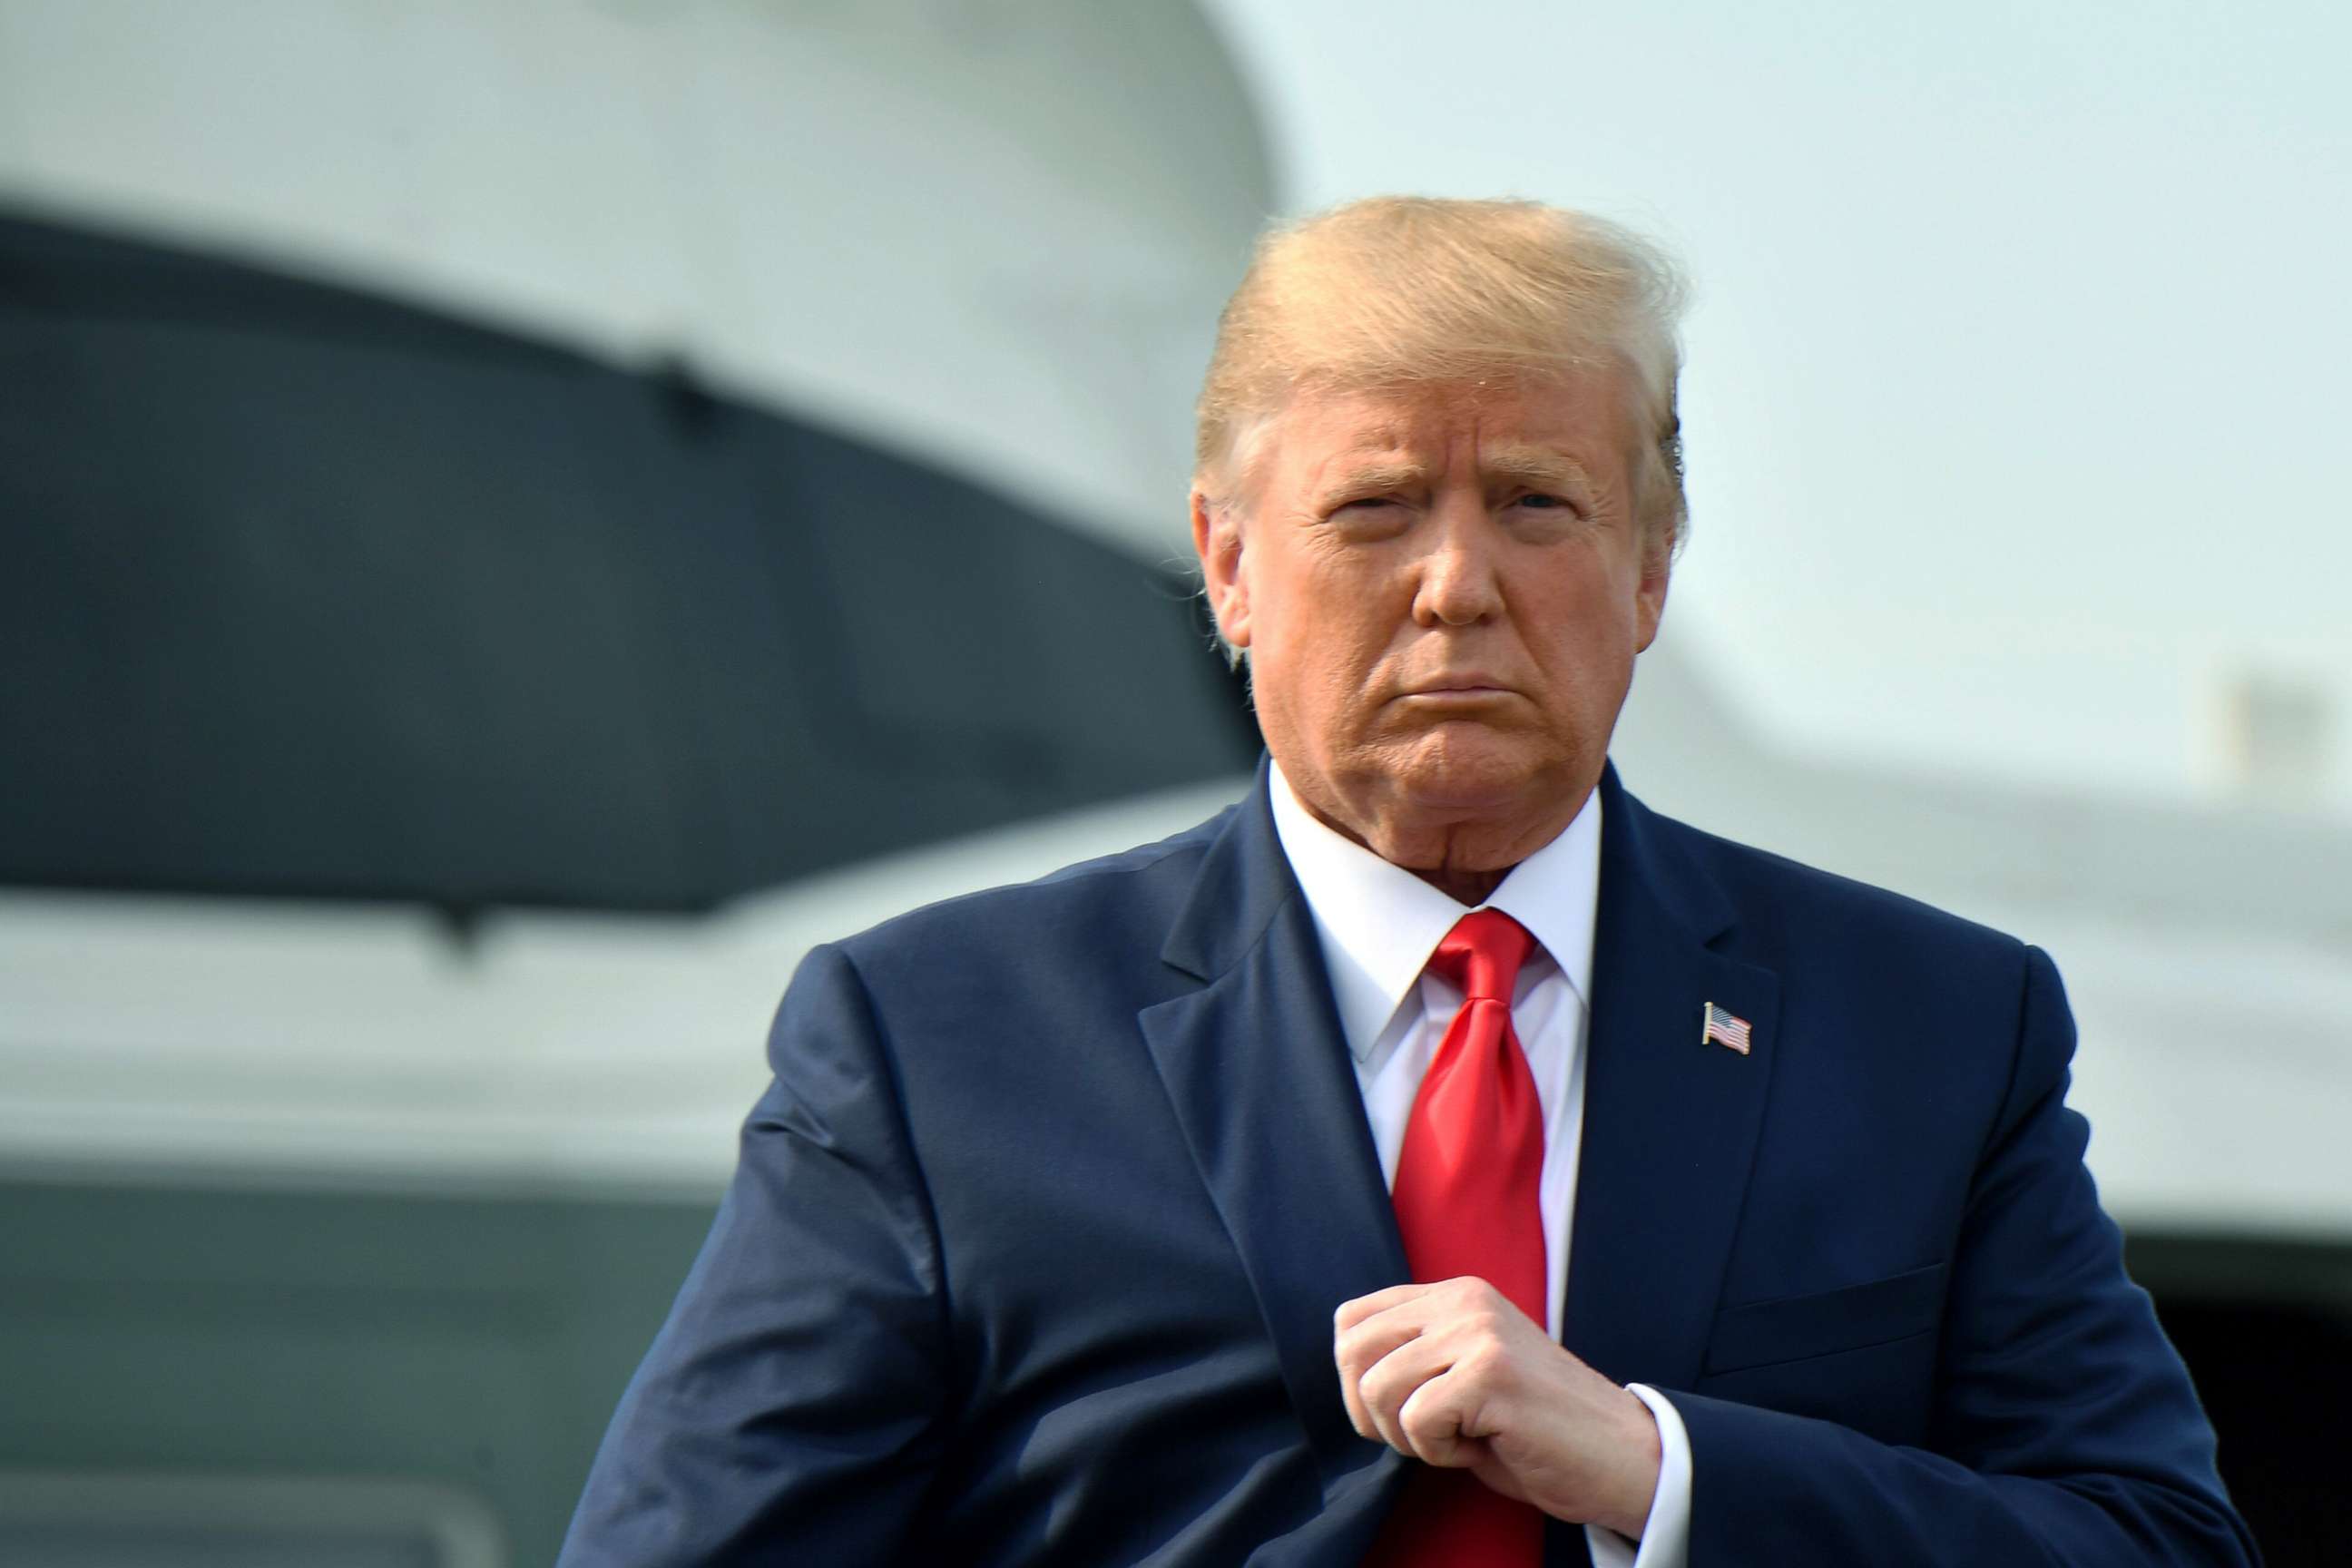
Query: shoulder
[(1788, 911), (1114, 904), (1885, 1000)]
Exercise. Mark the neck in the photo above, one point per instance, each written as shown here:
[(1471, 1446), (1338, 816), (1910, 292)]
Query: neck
[(1466, 859), (1467, 885), (1468, 888)]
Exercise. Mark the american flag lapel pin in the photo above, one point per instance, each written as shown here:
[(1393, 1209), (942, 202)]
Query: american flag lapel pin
[(1721, 1029)]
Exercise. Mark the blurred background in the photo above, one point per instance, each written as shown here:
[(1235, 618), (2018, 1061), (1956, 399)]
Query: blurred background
[(520, 516)]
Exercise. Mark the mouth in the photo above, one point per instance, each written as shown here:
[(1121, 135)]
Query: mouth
[(1473, 687), (1461, 680)]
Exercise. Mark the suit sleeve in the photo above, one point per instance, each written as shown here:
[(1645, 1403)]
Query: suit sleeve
[(790, 1408), (2066, 1431)]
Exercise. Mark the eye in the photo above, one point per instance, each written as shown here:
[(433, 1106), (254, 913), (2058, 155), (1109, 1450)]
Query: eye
[(1368, 519), (1366, 511), (1543, 502)]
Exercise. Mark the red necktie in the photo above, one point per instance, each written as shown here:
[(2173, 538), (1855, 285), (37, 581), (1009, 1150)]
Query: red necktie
[(1467, 1202)]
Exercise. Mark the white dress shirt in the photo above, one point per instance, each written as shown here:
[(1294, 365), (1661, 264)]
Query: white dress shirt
[(1378, 924)]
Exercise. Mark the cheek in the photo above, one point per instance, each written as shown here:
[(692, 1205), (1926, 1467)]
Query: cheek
[(1594, 625), (1316, 662), (1329, 606)]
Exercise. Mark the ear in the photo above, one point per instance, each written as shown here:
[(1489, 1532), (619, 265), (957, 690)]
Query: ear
[(1650, 592), (1217, 541)]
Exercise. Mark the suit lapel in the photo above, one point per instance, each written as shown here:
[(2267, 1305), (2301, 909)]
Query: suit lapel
[(1670, 1123), (1259, 1075)]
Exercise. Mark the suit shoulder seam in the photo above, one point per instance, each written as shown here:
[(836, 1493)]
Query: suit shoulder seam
[(889, 1063)]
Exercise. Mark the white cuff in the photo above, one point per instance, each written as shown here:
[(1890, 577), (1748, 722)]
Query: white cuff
[(1666, 1537)]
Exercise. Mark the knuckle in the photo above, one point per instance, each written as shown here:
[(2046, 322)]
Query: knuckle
[(1482, 1363), (1428, 1431)]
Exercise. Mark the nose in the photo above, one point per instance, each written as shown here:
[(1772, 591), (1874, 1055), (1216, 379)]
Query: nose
[(1459, 585)]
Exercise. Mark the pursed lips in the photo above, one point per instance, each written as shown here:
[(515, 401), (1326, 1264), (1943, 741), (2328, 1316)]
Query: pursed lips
[(1475, 683)]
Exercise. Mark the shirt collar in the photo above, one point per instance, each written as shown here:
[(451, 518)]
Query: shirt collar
[(1378, 923)]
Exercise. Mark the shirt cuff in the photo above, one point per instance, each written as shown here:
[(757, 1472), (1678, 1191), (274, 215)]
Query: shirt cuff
[(1665, 1536)]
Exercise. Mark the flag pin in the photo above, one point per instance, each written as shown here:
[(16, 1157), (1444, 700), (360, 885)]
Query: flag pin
[(1721, 1029)]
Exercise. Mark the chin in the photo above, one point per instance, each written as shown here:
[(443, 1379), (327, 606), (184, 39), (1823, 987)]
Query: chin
[(1473, 774)]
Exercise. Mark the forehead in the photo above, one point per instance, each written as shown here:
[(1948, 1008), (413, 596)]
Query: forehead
[(1576, 417)]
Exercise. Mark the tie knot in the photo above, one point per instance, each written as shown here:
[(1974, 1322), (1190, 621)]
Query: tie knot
[(1482, 954)]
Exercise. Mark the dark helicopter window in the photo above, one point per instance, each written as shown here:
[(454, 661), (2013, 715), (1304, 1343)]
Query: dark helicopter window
[(309, 594)]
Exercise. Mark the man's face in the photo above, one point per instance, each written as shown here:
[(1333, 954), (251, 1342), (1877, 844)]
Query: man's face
[(1441, 590)]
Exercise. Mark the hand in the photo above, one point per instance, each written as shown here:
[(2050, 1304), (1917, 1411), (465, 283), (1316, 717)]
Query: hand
[(1455, 1375)]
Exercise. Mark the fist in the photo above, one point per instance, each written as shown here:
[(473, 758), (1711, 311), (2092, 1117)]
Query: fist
[(1455, 1375)]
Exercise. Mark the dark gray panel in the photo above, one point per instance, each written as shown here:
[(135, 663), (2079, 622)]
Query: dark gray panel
[(306, 593)]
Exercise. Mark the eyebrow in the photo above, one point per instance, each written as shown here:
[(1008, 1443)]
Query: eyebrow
[(1534, 466), (1370, 477), (1530, 465)]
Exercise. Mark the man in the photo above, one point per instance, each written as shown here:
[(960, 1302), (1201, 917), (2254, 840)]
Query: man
[(1437, 1158)]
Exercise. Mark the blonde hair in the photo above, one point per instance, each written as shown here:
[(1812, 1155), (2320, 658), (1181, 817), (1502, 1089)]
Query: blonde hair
[(1399, 289)]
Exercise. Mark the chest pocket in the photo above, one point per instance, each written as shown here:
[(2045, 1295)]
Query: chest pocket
[(1853, 1317)]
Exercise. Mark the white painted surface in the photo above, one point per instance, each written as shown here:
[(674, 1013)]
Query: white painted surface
[(160, 1040), (997, 232)]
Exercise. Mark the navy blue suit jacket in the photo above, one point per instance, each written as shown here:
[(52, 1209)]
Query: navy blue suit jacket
[(1034, 1246)]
